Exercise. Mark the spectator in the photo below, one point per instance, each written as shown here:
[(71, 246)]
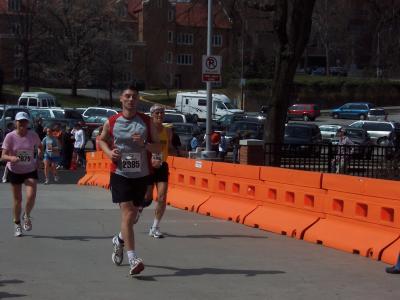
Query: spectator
[(98, 138), (344, 152), (236, 146), (222, 146), (68, 148), (79, 147), (38, 126), (194, 142)]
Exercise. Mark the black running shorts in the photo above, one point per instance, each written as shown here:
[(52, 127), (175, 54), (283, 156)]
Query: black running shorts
[(15, 178), (125, 189), (160, 174)]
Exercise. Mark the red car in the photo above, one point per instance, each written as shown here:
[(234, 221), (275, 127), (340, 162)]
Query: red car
[(305, 112)]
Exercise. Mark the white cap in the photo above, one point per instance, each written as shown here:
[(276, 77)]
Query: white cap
[(21, 116)]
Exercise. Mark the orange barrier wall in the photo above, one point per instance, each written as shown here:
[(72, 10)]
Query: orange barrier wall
[(362, 216), (357, 215)]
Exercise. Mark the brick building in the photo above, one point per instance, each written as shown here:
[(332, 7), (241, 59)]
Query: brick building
[(175, 37)]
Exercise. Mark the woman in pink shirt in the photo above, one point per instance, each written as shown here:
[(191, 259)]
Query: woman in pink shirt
[(22, 149)]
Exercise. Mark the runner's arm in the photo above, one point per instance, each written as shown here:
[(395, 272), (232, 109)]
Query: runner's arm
[(6, 156), (105, 141)]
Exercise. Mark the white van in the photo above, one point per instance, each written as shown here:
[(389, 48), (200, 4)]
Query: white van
[(37, 99), (195, 103)]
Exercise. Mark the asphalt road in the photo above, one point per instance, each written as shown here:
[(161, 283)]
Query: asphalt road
[(67, 255)]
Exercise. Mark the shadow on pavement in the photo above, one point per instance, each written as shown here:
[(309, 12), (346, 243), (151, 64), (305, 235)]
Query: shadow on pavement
[(214, 236), (206, 271), (71, 238), (4, 295)]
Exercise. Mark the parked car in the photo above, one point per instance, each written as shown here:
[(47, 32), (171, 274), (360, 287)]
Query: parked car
[(306, 112), (96, 116), (247, 129), (379, 130), (225, 121), (37, 99), (377, 114), (185, 132), (354, 110), (361, 139), (337, 71), (328, 132), (47, 113), (302, 139)]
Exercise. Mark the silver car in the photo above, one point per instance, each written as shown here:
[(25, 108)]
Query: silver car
[(328, 132), (377, 114), (379, 130)]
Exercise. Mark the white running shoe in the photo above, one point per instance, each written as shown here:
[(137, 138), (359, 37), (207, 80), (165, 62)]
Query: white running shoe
[(27, 223), (46, 181), (137, 266), (56, 178), (17, 230), (155, 232), (118, 251)]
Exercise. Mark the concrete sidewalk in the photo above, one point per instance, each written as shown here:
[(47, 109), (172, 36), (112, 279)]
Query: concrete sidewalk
[(67, 255)]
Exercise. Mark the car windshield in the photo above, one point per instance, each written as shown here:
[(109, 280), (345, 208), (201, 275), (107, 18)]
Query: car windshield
[(328, 128), (229, 105), (378, 127), (243, 126), (170, 118), (297, 132), (351, 133), (183, 129)]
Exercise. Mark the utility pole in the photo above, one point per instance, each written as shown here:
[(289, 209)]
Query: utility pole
[(208, 153)]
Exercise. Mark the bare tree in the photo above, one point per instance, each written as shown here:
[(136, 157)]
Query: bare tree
[(71, 28), (292, 21), (26, 38)]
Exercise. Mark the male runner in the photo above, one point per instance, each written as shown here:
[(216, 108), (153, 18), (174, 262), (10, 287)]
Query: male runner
[(126, 139)]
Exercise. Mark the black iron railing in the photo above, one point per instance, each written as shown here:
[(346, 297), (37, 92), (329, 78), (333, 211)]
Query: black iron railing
[(365, 161)]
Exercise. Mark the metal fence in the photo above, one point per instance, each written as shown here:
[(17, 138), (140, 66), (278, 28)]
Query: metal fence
[(365, 161)]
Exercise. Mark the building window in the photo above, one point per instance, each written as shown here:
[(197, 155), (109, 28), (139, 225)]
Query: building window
[(168, 58), (122, 11), (217, 40), (18, 50), (127, 76), (184, 38), (18, 73), (14, 5), (170, 36), (129, 55), (184, 59), (16, 28), (171, 15)]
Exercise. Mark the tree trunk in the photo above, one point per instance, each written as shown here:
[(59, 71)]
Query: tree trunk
[(292, 26), (27, 75), (74, 88)]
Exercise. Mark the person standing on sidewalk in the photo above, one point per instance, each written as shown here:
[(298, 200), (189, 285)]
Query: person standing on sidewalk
[(79, 147), (159, 178), (127, 140), (22, 150), (51, 149)]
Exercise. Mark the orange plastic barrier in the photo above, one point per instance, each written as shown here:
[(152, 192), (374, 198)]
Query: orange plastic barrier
[(288, 209), (352, 236), (191, 183), (391, 253), (356, 222), (234, 191)]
